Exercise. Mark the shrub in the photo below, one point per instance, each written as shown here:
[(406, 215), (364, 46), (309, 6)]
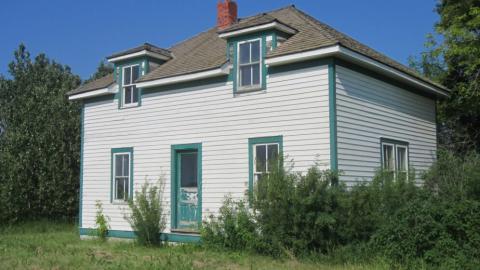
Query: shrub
[(455, 177), (101, 221), (233, 229), (146, 217)]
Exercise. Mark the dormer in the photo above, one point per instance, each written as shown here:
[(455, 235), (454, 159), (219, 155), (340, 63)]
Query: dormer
[(248, 43), (130, 65)]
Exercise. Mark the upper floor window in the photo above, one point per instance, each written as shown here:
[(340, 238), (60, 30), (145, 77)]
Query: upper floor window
[(130, 91), (249, 69), (395, 158)]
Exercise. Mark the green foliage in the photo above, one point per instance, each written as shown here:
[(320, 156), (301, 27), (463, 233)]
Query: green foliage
[(413, 226), (39, 149), (102, 222), (454, 176), (147, 213), (455, 63), (103, 69), (233, 229)]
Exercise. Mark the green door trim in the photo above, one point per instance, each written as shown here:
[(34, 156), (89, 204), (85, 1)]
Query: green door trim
[(173, 180)]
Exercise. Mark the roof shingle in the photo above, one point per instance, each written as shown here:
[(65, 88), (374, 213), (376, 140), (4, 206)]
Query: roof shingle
[(207, 50)]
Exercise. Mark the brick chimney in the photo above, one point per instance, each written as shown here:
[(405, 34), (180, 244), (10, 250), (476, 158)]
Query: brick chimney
[(226, 13)]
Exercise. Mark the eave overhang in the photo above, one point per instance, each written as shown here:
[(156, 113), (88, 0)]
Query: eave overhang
[(361, 60)]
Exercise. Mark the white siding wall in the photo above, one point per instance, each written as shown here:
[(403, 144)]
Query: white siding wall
[(295, 106), (368, 109)]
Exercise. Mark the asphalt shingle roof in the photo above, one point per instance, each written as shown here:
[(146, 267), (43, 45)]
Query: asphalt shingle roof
[(146, 46), (207, 51), (100, 83)]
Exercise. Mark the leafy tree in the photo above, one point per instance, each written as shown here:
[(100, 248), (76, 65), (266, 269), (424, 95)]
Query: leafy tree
[(39, 150), (455, 62), (103, 69)]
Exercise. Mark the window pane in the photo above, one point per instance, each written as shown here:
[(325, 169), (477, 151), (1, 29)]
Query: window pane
[(256, 74), (272, 151), (125, 184), (260, 158), (244, 53), (388, 158), (255, 51), (402, 158), (120, 188), (135, 94), (245, 75), (135, 73), (126, 165), (188, 170), (128, 95), (126, 75), (118, 165)]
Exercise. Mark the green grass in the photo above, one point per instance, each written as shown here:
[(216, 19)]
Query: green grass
[(46, 245)]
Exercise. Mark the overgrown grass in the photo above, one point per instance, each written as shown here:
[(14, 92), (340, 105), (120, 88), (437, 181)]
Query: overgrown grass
[(47, 245)]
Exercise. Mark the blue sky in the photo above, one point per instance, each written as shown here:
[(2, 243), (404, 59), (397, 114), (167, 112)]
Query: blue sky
[(81, 33)]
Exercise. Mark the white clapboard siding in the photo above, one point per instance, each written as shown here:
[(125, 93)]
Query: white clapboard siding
[(368, 109), (295, 105)]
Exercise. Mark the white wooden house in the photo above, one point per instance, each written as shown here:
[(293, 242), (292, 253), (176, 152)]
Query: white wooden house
[(207, 113)]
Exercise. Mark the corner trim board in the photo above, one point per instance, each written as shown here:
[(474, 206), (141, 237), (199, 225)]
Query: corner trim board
[(332, 100)]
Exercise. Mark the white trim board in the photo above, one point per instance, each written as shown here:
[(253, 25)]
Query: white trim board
[(272, 25), (357, 58), (99, 92), (224, 70), (140, 53)]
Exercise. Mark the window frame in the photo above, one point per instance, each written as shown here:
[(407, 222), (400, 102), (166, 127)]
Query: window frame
[(252, 87), (113, 189), (251, 162), (132, 84), (255, 172), (395, 145)]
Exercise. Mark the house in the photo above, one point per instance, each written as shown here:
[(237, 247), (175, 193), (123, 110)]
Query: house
[(209, 112)]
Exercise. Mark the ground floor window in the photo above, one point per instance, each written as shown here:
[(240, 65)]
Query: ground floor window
[(262, 151), (394, 156), (122, 174)]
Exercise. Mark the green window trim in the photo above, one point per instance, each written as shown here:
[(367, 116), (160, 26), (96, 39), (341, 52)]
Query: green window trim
[(234, 74), (114, 151), (173, 180), (143, 69), (260, 140)]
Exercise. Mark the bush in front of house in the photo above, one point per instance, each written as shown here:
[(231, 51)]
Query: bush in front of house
[(395, 219), (233, 229), (146, 215)]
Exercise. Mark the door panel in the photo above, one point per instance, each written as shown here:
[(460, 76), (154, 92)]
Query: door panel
[(187, 192)]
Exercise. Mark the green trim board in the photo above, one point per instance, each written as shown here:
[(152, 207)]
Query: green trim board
[(82, 142), (260, 140), (233, 76), (168, 237), (116, 151), (176, 148), (143, 68), (332, 105)]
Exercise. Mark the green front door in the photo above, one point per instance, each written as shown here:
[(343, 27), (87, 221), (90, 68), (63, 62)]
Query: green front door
[(187, 184)]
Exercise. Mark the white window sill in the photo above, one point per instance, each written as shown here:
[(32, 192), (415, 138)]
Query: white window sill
[(130, 105), (250, 90)]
